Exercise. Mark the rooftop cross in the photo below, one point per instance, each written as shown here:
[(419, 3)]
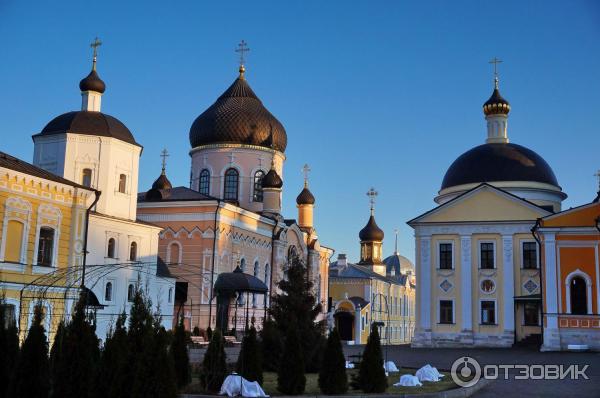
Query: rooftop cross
[(597, 175), (164, 154), (396, 247), (242, 49), (495, 61), (306, 171), (95, 44), (372, 194)]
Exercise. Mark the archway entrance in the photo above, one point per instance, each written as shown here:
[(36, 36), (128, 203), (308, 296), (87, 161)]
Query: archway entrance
[(578, 297), (345, 324)]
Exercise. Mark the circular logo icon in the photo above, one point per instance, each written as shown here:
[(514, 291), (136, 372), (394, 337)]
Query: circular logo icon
[(466, 371)]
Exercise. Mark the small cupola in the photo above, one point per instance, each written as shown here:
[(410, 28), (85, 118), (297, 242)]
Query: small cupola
[(305, 202), (271, 187), (371, 240), (161, 188), (91, 86)]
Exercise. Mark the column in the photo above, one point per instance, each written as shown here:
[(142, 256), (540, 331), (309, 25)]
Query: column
[(551, 332), (424, 284), (509, 283), (466, 289)]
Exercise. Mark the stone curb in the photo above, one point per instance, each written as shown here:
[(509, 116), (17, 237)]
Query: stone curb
[(454, 393)]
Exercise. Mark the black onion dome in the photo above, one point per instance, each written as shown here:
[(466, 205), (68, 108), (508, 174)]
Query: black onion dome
[(496, 104), (305, 197), (499, 162), (371, 232), (89, 123), (92, 82), (238, 116), (162, 182), (272, 180)]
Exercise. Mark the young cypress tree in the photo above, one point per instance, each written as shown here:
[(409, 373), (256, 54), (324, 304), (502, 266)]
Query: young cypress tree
[(249, 363), (290, 378), (57, 363), (214, 366), (112, 370), (76, 356), (9, 348), (32, 375), (297, 305), (271, 345), (371, 375), (332, 377), (180, 356)]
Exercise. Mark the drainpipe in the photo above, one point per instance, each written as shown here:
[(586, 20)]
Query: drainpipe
[(85, 242), (539, 243), (212, 267), (272, 263)]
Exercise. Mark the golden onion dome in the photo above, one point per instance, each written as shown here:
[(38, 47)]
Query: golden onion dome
[(496, 105)]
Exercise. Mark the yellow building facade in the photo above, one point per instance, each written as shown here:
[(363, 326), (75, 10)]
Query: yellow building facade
[(42, 240)]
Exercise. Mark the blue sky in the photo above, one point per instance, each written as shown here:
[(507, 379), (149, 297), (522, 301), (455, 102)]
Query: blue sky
[(372, 93)]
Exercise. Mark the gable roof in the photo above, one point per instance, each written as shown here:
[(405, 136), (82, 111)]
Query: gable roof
[(361, 272), (541, 212), (580, 216)]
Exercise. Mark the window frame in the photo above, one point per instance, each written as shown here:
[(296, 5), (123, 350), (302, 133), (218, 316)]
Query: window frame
[(453, 320), (495, 313), (133, 246), (204, 182), (130, 292), (84, 174), (114, 248), (112, 289), (479, 253), (257, 191), (439, 254), (122, 183), (228, 183), (538, 317), (537, 254), (51, 247)]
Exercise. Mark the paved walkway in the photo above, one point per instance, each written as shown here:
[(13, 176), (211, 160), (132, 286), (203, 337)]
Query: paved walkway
[(444, 357)]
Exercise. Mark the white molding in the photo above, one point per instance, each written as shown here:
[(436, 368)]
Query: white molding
[(179, 257), (508, 271), (474, 228), (588, 283), (20, 206), (425, 283), (466, 290)]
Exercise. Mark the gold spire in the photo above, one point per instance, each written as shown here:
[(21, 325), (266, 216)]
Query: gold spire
[(95, 44), (242, 49)]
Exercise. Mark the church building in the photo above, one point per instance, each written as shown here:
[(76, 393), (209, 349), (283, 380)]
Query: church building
[(477, 261), (230, 215)]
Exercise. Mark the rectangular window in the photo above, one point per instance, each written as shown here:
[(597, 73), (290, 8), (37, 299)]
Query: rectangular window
[(45, 246), (529, 255), (122, 183), (445, 255), (486, 255), (531, 314), (446, 311), (488, 313)]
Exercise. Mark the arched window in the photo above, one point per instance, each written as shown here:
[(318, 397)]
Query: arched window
[(108, 291), (578, 289), (230, 190), (45, 247), (174, 253), (257, 275), (110, 251), (258, 192), (204, 182), (86, 177), (292, 254), (130, 292), (133, 251), (122, 183), (170, 295), (14, 241)]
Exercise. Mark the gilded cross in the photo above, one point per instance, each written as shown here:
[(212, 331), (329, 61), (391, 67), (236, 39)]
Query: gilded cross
[(495, 61), (242, 49), (164, 155), (95, 44), (306, 171), (372, 194)]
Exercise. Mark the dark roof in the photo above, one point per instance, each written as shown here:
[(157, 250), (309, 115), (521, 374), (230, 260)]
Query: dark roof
[(92, 82), (371, 231), (173, 194), (10, 162), (272, 180), (305, 197), (238, 116), (496, 104), (363, 272), (238, 281), (162, 182), (88, 123), (499, 162), (397, 263)]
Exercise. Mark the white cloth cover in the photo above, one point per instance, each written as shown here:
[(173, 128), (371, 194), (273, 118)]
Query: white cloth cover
[(349, 365), (233, 382), (390, 366), (429, 373), (408, 381)]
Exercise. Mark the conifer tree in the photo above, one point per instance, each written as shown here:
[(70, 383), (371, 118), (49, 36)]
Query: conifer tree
[(180, 356), (32, 375), (296, 304), (9, 348), (249, 363), (371, 375), (271, 345), (111, 376), (332, 377), (214, 366), (56, 357), (290, 377)]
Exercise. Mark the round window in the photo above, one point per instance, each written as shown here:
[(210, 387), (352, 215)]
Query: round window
[(488, 286)]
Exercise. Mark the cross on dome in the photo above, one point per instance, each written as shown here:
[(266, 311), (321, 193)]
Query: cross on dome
[(242, 50), (495, 61), (164, 154), (372, 194), (95, 44), (306, 170)]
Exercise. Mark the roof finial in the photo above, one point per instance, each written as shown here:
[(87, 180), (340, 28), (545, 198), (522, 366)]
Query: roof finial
[(372, 194), (164, 155), (495, 61), (306, 171), (95, 44), (597, 175), (242, 49), (396, 245)]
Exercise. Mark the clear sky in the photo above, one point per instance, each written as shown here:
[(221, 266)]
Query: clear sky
[(372, 93)]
